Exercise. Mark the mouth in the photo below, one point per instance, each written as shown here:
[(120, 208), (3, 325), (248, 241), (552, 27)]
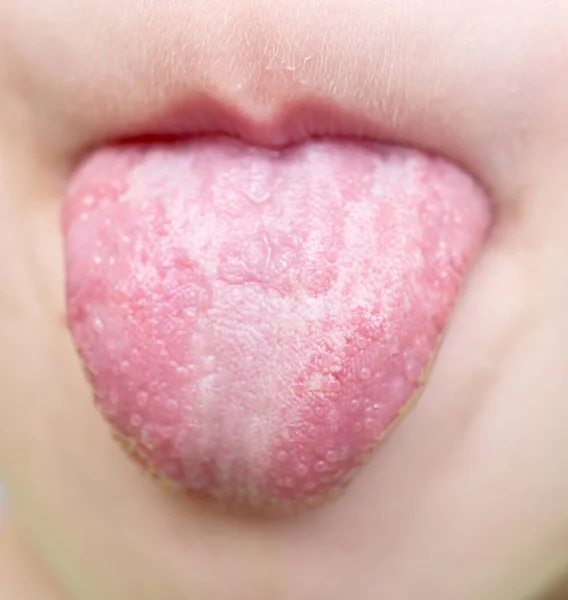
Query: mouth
[(256, 300)]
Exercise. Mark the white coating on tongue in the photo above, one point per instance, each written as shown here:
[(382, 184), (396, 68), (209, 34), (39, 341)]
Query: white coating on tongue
[(256, 319)]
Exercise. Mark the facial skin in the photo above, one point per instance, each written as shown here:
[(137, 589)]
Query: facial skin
[(468, 497)]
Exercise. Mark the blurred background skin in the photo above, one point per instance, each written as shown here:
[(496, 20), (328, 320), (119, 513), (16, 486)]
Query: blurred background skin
[(468, 499)]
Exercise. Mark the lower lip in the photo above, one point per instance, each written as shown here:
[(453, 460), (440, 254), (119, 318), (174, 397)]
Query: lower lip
[(253, 321)]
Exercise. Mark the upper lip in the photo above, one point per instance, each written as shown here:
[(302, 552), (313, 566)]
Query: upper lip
[(270, 127)]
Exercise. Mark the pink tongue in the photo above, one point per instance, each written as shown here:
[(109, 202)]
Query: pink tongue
[(254, 320)]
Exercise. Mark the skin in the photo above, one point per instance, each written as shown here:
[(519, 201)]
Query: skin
[(468, 497)]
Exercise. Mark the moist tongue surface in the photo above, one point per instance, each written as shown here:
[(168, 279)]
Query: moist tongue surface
[(254, 320)]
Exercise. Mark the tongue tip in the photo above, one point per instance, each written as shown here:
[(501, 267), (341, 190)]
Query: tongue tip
[(285, 487)]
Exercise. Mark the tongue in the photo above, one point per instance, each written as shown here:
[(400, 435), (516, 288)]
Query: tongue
[(252, 321)]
